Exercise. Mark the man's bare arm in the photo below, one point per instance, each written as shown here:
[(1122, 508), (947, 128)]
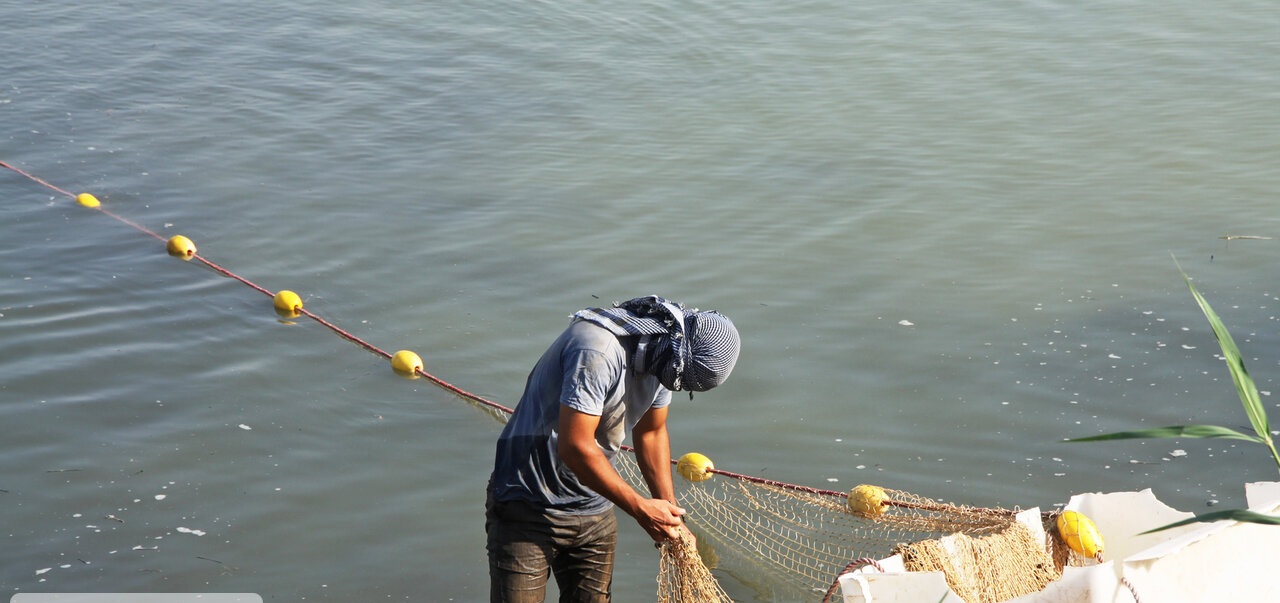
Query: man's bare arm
[(653, 453), (577, 447)]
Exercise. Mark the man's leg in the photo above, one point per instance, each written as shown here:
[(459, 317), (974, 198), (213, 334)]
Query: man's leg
[(583, 564), (520, 550)]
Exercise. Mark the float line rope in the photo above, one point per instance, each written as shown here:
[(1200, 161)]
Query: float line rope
[(252, 285), (777, 484), (378, 351)]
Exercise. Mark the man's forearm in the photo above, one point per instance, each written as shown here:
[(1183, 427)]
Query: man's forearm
[(653, 454), (577, 447), (596, 472)]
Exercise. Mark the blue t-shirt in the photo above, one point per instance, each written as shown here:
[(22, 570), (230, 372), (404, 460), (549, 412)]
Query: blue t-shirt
[(586, 369)]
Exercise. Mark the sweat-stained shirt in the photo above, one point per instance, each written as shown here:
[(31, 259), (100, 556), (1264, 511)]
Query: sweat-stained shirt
[(588, 370)]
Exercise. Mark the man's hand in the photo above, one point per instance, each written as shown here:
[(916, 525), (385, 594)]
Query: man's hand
[(660, 518)]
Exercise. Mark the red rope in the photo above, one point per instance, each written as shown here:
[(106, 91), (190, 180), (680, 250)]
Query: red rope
[(252, 285), (769, 482), (33, 178), (848, 568)]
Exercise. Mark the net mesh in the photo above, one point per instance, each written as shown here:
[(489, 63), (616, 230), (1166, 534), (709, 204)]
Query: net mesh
[(798, 540), (987, 569), (684, 577)]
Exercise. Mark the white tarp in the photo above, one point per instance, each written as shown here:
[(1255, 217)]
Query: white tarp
[(1225, 561)]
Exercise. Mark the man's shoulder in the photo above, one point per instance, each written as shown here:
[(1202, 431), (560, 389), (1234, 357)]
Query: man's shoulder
[(589, 336)]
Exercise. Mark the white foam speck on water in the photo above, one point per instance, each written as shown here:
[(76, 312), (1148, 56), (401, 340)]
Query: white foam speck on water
[(160, 497), (245, 427)]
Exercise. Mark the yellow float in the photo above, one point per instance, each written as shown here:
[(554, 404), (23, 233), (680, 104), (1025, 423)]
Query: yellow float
[(866, 501), (695, 467), (406, 363), (180, 247), (1080, 534), (287, 304)]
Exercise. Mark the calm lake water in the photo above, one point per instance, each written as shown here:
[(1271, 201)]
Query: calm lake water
[(946, 231)]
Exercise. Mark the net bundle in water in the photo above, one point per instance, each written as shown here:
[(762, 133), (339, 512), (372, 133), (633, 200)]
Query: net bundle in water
[(684, 578), (798, 540)]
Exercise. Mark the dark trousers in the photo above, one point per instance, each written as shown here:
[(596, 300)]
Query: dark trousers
[(526, 545)]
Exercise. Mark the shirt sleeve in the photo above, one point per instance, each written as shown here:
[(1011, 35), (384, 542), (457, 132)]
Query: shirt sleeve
[(662, 398), (590, 378)]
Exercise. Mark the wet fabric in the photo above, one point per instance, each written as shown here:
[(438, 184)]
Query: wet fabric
[(527, 545)]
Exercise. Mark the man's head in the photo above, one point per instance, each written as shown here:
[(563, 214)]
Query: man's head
[(687, 350), (709, 349)]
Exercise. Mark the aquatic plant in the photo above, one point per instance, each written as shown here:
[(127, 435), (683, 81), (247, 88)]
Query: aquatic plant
[(1249, 397)]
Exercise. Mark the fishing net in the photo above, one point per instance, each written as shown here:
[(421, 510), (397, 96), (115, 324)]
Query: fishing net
[(683, 577), (798, 540)]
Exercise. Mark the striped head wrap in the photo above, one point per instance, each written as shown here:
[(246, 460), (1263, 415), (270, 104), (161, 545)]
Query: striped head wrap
[(687, 350)]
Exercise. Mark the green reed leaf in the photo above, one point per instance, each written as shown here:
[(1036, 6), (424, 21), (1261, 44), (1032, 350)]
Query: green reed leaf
[(1245, 385), (1231, 514), (1173, 431), (1235, 363)]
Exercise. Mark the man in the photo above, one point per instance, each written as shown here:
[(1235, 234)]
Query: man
[(551, 497)]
